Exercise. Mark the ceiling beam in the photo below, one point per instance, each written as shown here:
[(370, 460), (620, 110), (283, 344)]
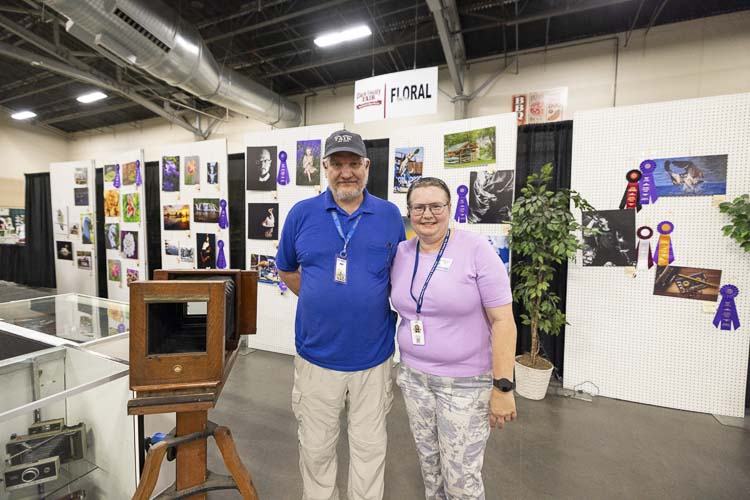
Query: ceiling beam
[(89, 112), (449, 30), (37, 90), (34, 123)]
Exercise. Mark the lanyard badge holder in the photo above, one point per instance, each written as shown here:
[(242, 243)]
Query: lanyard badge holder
[(339, 273), (416, 325)]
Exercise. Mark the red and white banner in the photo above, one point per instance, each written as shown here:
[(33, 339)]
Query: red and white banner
[(396, 95), (541, 106)]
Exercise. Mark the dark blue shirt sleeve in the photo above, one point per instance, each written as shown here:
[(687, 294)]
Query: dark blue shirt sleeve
[(286, 256)]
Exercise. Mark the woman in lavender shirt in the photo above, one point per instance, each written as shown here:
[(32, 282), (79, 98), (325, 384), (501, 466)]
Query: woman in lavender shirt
[(457, 341)]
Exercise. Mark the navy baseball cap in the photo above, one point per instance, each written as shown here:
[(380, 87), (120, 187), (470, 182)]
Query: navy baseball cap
[(344, 141)]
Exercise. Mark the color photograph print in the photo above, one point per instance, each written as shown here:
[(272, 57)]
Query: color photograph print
[(407, 168), (192, 171), (170, 174), (82, 176), (114, 270), (261, 168), (308, 163), (469, 149), (83, 259), (691, 176), (61, 221), (261, 221), (110, 171), (501, 245), (127, 173), (112, 236), (206, 250), (112, 203), (212, 172), (64, 250), (613, 242), (132, 275), (131, 207), (129, 241), (490, 196), (171, 248), (187, 252), (687, 282), (81, 196), (266, 267), (87, 229), (176, 217), (75, 229), (206, 210), (410, 233)]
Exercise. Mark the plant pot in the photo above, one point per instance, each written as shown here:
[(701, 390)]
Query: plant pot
[(532, 383)]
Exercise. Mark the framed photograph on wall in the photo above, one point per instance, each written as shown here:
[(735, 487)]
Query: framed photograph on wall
[(260, 171), (261, 221)]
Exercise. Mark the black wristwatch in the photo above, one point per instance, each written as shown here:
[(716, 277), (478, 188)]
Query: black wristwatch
[(503, 384)]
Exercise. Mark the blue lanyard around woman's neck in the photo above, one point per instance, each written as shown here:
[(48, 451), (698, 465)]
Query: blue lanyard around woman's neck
[(429, 275)]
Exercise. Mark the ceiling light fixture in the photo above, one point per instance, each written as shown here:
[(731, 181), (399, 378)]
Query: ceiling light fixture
[(336, 37), (91, 97), (23, 115)]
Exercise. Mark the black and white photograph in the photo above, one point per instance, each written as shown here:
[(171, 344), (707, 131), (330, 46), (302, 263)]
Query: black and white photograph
[(609, 238), (261, 221), (261, 168), (212, 172), (490, 196)]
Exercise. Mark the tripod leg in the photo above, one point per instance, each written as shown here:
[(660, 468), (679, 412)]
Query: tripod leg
[(234, 464), (151, 468)]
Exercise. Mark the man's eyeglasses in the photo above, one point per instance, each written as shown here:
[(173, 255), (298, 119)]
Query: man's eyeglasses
[(435, 208)]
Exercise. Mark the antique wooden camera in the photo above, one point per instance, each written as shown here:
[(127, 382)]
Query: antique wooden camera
[(185, 328)]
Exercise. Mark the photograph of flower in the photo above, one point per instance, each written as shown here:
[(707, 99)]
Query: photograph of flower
[(469, 149), (112, 236), (192, 170), (131, 207), (112, 203), (308, 163), (129, 241), (64, 250), (170, 174), (128, 173), (176, 217), (114, 270)]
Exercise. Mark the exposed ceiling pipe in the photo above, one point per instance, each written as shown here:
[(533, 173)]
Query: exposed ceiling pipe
[(449, 30), (151, 36)]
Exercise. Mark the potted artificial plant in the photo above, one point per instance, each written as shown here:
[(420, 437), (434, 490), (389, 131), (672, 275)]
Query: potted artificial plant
[(541, 237), (739, 211)]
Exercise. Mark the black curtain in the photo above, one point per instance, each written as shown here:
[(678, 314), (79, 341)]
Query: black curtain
[(537, 145), (236, 205), (40, 244), (101, 249), (377, 152), (153, 217)]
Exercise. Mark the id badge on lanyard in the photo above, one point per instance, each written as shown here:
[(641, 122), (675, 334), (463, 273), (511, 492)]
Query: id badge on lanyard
[(443, 263), (339, 270), (339, 275)]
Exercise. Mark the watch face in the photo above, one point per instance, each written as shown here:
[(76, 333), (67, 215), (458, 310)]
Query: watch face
[(503, 384)]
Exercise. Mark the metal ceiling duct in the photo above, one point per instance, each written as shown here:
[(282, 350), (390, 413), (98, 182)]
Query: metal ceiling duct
[(151, 36)]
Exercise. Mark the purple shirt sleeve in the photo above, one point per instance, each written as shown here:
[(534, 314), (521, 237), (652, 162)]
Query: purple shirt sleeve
[(492, 279)]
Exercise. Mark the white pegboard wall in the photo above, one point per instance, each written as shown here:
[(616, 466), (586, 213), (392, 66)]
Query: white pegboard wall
[(623, 341)]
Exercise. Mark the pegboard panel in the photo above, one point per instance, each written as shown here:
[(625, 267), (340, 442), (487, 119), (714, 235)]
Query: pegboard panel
[(214, 152), (623, 341), (133, 266), (276, 311), (72, 196)]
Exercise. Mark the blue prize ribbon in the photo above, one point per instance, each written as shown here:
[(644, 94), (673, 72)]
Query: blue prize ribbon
[(429, 275), (348, 237)]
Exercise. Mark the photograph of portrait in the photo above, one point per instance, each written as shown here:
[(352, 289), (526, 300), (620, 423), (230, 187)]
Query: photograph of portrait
[(170, 174), (206, 210), (261, 221), (87, 229), (64, 250), (614, 245), (81, 196), (129, 241), (82, 176), (407, 167), (112, 236), (469, 149), (212, 172), (132, 275), (171, 247), (501, 245), (131, 207), (109, 173), (490, 196), (691, 176), (261, 168), (192, 170), (266, 267), (83, 259), (187, 252), (127, 174), (206, 250), (176, 217), (687, 282), (114, 270), (308, 163), (112, 203)]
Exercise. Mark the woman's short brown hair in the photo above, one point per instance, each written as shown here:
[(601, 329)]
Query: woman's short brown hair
[(427, 182)]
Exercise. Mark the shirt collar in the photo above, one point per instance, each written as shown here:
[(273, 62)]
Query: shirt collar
[(365, 207)]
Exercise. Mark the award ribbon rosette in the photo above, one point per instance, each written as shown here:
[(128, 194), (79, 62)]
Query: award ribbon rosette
[(632, 198), (116, 182), (647, 184), (664, 255), (283, 178), (282, 286), (221, 260), (462, 205), (726, 316), (138, 180), (223, 220), (643, 248)]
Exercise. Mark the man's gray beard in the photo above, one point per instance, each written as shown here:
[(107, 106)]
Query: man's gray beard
[(348, 196)]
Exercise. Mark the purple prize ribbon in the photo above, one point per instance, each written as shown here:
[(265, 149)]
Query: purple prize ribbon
[(138, 180), (120, 328), (726, 315), (221, 261), (223, 220), (462, 205), (117, 176), (282, 286), (647, 186), (283, 177), (664, 227)]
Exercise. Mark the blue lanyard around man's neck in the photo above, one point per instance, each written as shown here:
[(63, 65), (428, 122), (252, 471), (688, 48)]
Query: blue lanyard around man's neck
[(348, 237), (429, 276)]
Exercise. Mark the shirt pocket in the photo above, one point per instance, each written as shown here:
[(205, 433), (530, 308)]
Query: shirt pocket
[(379, 258)]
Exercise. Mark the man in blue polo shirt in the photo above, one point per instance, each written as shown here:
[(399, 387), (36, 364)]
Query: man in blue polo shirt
[(335, 253)]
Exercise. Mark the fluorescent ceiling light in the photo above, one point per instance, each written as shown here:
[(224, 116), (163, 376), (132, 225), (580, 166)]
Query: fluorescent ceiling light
[(328, 39), (23, 115), (91, 97)]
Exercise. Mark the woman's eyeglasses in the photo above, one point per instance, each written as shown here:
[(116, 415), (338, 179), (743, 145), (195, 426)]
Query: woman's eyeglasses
[(435, 208)]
